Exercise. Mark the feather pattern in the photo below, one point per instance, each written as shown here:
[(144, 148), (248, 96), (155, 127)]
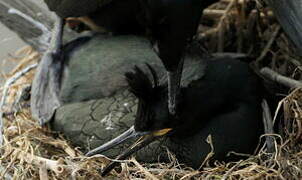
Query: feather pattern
[(140, 83)]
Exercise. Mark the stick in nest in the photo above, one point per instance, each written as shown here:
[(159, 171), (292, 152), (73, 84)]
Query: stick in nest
[(268, 127), (8, 83), (221, 24), (269, 44), (56, 166), (274, 76)]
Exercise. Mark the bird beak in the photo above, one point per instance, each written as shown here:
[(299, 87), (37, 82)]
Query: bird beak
[(129, 134), (145, 139)]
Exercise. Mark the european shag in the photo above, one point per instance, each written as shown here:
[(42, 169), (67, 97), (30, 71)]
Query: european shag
[(225, 103), (170, 24)]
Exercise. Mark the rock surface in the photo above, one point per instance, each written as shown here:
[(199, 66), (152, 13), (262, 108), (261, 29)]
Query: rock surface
[(98, 105), (96, 65)]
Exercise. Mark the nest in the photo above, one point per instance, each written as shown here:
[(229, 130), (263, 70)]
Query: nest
[(32, 152)]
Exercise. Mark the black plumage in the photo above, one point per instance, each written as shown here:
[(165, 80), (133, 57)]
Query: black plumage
[(225, 103), (228, 86), (172, 25), (75, 8)]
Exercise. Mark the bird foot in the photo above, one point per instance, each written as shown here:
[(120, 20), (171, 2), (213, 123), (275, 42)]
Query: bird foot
[(76, 24), (80, 24)]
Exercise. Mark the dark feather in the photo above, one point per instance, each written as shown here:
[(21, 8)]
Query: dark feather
[(140, 84), (154, 75)]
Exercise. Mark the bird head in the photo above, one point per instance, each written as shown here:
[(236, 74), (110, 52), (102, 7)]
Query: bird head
[(152, 117), (152, 112)]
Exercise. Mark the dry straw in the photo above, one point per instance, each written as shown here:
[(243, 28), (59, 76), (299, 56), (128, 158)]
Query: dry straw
[(32, 152)]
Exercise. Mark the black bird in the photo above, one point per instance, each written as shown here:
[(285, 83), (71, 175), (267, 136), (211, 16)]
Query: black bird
[(170, 23), (225, 103)]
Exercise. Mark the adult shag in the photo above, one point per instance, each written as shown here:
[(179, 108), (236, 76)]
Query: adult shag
[(225, 103), (171, 24)]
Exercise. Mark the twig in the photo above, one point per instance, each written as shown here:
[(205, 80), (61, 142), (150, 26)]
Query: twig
[(221, 24), (212, 13), (209, 140), (146, 172), (43, 171), (298, 121), (274, 76), (241, 18), (268, 127), (228, 173), (6, 175), (107, 158), (228, 1), (21, 96), (30, 57), (5, 92), (55, 166), (189, 175), (216, 13), (269, 44), (3, 173), (63, 145)]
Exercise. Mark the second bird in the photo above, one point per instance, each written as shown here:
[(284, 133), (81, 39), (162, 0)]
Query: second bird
[(170, 25)]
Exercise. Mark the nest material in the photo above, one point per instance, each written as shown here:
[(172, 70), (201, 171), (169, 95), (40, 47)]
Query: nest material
[(32, 152)]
